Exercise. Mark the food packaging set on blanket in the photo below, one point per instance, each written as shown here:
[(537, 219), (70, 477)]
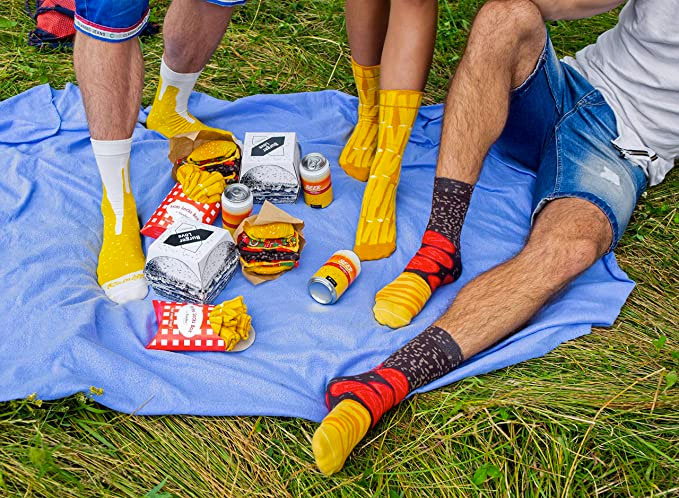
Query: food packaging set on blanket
[(271, 166), (51, 235), (190, 327), (191, 261)]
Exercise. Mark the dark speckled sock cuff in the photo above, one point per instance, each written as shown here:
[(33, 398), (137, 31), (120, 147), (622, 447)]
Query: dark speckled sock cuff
[(430, 355)]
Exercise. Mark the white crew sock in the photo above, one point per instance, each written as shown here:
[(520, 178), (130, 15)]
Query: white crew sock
[(113, 158), (184, 82)]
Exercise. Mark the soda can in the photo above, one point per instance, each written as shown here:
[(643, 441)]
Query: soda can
[(333, 278), (315, 172), (237, 205)]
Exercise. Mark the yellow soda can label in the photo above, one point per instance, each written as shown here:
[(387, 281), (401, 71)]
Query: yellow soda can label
[(335, 276)]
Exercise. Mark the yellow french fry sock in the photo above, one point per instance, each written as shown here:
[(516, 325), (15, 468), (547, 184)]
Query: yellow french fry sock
[(231, 322), (169, 114), (201, 186), (376, 231), (359, 151), (120, 271), (357, 402)]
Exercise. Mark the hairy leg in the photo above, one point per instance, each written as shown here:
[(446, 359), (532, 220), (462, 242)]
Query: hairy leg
[(111, 77), (568, 237), (192, 31), (504, 45)]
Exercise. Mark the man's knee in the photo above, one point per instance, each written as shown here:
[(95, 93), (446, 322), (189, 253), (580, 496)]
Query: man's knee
[(569, 236), (501, 21)]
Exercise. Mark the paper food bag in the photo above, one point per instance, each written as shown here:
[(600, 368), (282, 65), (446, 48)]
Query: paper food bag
[(269, 214), (182, 145)]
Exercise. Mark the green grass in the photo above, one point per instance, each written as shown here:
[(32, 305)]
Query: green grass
[(595, 416)]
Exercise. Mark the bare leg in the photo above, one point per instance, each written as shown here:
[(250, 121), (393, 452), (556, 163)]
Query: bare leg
[(406, 59), (568, 237), (111, 77), (192, 31), (505, 42), (367, 22), (409, 46)]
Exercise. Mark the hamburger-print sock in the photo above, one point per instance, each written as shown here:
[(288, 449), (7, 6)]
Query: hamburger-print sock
[(359, 151), (170, 114), (437, 261), (357, 402), (121, 259)]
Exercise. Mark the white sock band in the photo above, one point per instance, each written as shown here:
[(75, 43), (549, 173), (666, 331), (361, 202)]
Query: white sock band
[(113, 157), (184, 82)]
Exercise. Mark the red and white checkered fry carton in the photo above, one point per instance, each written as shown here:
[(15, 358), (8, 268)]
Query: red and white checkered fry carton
[(186, 327), (176, 206)]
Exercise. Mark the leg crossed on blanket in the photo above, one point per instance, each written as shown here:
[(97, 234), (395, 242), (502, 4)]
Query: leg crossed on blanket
[(576, 218), (569, 236)]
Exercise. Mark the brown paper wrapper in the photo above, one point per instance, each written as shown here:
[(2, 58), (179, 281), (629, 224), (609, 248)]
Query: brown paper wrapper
[(269, 214), (182, 145)]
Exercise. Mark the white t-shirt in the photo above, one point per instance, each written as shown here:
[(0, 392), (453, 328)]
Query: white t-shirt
[(635, 65)]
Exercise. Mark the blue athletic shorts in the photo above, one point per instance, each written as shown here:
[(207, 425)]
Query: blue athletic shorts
[(119, 20), (561, 127)]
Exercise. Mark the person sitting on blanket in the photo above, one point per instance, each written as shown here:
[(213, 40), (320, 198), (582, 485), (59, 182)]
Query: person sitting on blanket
[(110, 71), (595, 129), (392, 45)]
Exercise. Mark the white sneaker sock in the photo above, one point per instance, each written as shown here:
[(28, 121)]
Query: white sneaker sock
[(121, 259), (184, 82), (113, 157)]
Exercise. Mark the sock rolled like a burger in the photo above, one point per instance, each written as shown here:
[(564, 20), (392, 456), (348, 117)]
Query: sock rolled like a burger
[(269, 249), (216, 155)]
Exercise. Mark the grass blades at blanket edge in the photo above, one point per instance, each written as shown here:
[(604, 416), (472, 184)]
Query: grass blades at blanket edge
[(596, 416)]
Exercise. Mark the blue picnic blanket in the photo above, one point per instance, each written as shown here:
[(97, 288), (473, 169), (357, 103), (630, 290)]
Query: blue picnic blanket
[(61, 335)]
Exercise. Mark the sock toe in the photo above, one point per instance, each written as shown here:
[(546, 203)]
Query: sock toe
[(133, 289), (338, 434), (391, 314), (368, 252)]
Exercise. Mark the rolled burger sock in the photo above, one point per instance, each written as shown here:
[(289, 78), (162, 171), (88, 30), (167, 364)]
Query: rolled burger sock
[(170, 114), (359, 151), (120, 271), (357, 402), (437, 261), (376, 231)]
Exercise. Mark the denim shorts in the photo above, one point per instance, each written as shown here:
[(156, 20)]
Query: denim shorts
[(119, 20), (561, 127)]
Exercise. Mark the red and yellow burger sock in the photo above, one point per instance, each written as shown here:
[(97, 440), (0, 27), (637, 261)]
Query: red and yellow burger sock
[(170, 114), (359, 152), (437, 261), (357, 402), (376, 231), (120, 271)]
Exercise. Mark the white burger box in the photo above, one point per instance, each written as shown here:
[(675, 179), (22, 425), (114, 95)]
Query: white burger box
[(270, 166), (191, 262)]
